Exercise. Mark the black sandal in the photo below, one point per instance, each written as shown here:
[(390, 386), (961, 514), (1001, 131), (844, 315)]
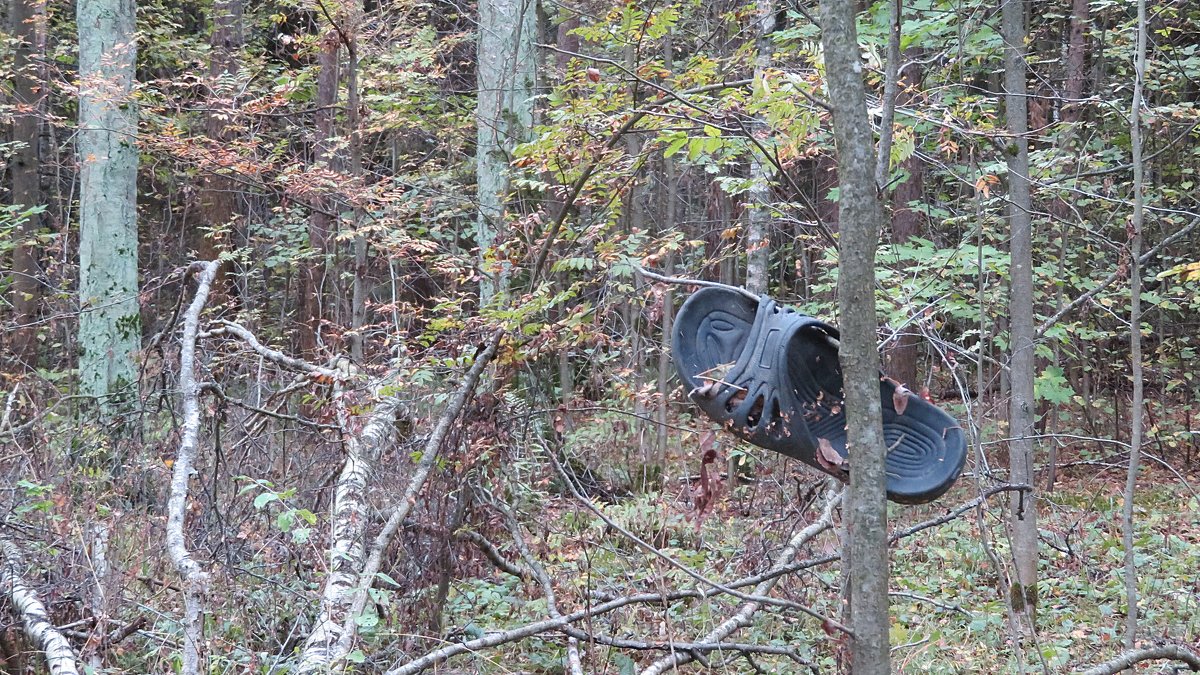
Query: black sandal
[(771, 375)]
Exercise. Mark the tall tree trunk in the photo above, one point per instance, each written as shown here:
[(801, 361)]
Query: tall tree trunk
[(1076, 61), (504, 114), (218, 198), (861, 221), (314, 272), (906, 220), (109, 321), (1135, 330), (758, 231), (1023, 509), (26, 291), (358, 304)]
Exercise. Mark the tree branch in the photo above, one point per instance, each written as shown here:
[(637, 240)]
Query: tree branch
[(60, 657), (743, 617), (194, 579), (400, 509), (1127, 659)]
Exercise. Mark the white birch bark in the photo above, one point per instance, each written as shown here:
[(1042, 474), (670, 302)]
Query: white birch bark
[(60, 657), (193, 577), (347, 547), (345, 594), (109, 322)]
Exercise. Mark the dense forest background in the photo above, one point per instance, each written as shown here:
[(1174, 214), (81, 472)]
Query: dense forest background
[(334, 334)]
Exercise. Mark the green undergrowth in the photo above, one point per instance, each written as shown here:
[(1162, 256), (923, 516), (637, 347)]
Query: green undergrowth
[(948, 612)]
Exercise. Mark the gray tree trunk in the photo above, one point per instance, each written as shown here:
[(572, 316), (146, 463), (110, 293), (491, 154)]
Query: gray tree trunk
[(758, 231), (1023, 511), (109, 321), (314, 272), (1135, 331), (861, 221), (506, 77)]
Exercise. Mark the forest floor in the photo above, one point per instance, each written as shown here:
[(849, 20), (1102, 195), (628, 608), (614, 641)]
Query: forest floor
[(948, 608)]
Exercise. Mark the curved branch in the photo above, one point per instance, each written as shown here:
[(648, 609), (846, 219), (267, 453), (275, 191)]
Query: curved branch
[(1127, 659)]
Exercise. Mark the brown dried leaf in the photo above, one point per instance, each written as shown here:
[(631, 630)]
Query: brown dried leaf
[(829, 458)]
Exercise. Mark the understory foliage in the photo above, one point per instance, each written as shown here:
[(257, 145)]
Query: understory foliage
[(579, 433)]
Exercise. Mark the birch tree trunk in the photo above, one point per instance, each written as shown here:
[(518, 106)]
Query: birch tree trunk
[(504, 114), (1023, 508), (192, 575), (109, 321), (60, 657), (861, 221)]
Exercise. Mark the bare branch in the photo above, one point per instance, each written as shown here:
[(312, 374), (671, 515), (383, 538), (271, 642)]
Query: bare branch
[(539, 572), (745, 614), (652, 550), (654, 276), (274, 355), (1126, 660)]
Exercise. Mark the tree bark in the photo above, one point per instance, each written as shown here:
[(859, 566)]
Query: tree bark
[(1137, 406), (218, 198), (758, 230), (1076, 61), (109, 321), (1023, 509), (504, 114), (861, 217), (314, 271), (192, 576), (28, 18), (60, 657), (348, 525)]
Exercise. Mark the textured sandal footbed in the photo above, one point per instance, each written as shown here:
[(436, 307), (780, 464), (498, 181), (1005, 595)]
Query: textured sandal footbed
[(788, 368)]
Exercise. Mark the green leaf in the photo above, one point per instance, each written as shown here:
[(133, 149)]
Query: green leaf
[(675, 146), (388, 579), (264, 499)]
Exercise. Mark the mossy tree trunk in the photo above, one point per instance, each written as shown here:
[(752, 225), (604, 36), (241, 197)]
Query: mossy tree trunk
[(109, 321)]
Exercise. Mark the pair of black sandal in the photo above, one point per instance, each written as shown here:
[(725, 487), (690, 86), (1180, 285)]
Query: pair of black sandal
[(771, 375)]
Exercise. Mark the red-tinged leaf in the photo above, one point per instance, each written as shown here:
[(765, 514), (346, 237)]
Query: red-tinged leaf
[(707, 439), (593, 74)]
